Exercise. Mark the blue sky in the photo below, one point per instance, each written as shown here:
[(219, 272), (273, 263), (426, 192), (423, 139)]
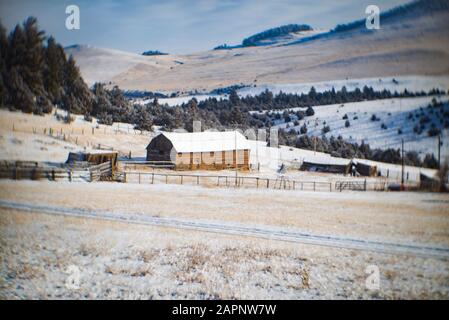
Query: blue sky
[(179, 26)]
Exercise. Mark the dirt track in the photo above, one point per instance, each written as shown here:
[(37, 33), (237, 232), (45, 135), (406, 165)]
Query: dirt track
[(279, 234)]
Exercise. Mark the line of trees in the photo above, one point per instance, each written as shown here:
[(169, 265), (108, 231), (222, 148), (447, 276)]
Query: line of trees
[(36, 76), (274, 32), (338, 147)]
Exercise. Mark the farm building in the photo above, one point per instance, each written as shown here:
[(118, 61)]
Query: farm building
[(365, 169), (94, 157), (201, 150), (329, 165)]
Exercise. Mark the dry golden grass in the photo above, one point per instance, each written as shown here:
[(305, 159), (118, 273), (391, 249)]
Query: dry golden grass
[(421, 217), (120, 260)]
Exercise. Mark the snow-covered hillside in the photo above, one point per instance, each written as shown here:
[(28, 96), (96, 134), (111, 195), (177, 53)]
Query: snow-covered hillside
[(410, 83), (399, 84), (392, 114)]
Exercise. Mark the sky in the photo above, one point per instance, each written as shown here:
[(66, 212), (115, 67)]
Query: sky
[(179, 26)]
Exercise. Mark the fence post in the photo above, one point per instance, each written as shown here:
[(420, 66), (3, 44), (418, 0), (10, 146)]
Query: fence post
[(152, 178), (365, 185), (314, 186), (182, 179), (197, 180), (268, 183), (330, 186), (70, 175), (257, 180), (139, 177), (53, 174), (166, 179), (124, 176)]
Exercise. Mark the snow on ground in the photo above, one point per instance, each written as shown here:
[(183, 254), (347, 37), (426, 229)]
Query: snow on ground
[(407, 217), (394, 113), (401, 83), (27, 137), (120, 260), (180, 100), (24, 144)]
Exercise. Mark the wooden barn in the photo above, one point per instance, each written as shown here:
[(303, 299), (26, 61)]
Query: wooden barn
[(201, 150)]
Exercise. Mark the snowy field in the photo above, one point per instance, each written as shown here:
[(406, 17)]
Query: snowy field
[(27, 137), (122, 260), (30, 140), (394, 113), (400, 83)]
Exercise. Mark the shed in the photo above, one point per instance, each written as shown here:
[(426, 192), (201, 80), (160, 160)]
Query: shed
[(201, 150), (328, 164), (94, 157), (365, 168)]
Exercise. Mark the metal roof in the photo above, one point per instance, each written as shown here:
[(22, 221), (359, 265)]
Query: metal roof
[(207, 141)]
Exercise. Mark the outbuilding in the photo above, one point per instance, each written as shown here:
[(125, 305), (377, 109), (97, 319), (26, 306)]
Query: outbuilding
[(327, 165), (201, 150)]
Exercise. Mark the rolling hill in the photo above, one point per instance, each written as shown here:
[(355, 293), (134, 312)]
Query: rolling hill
[(411, 41)]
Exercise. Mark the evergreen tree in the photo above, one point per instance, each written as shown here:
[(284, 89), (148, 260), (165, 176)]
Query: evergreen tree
[(3, 69), (54, 71)]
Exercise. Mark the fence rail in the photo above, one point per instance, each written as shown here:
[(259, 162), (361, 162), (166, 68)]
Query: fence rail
[(225, 181), (37, 171), (134, 165)]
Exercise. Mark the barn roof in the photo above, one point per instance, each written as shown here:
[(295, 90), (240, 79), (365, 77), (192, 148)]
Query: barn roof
[(207, 141)]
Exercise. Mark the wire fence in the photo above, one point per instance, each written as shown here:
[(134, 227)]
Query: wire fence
[(280, 183)]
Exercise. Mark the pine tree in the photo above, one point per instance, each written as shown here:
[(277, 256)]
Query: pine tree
[(234, 98), (54, 74), (78, 97), (3, 67)]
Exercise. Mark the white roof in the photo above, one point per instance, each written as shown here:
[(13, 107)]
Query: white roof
[(207, 141)]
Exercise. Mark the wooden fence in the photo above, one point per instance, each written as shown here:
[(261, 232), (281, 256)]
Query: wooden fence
[(20, 170), (225, 181), (351, 185), (135, 165)]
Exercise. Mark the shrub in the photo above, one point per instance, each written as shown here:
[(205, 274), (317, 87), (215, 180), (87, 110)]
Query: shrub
[(310, 112), (326, 129), (88, 117), (433, 131), (347, 124)]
